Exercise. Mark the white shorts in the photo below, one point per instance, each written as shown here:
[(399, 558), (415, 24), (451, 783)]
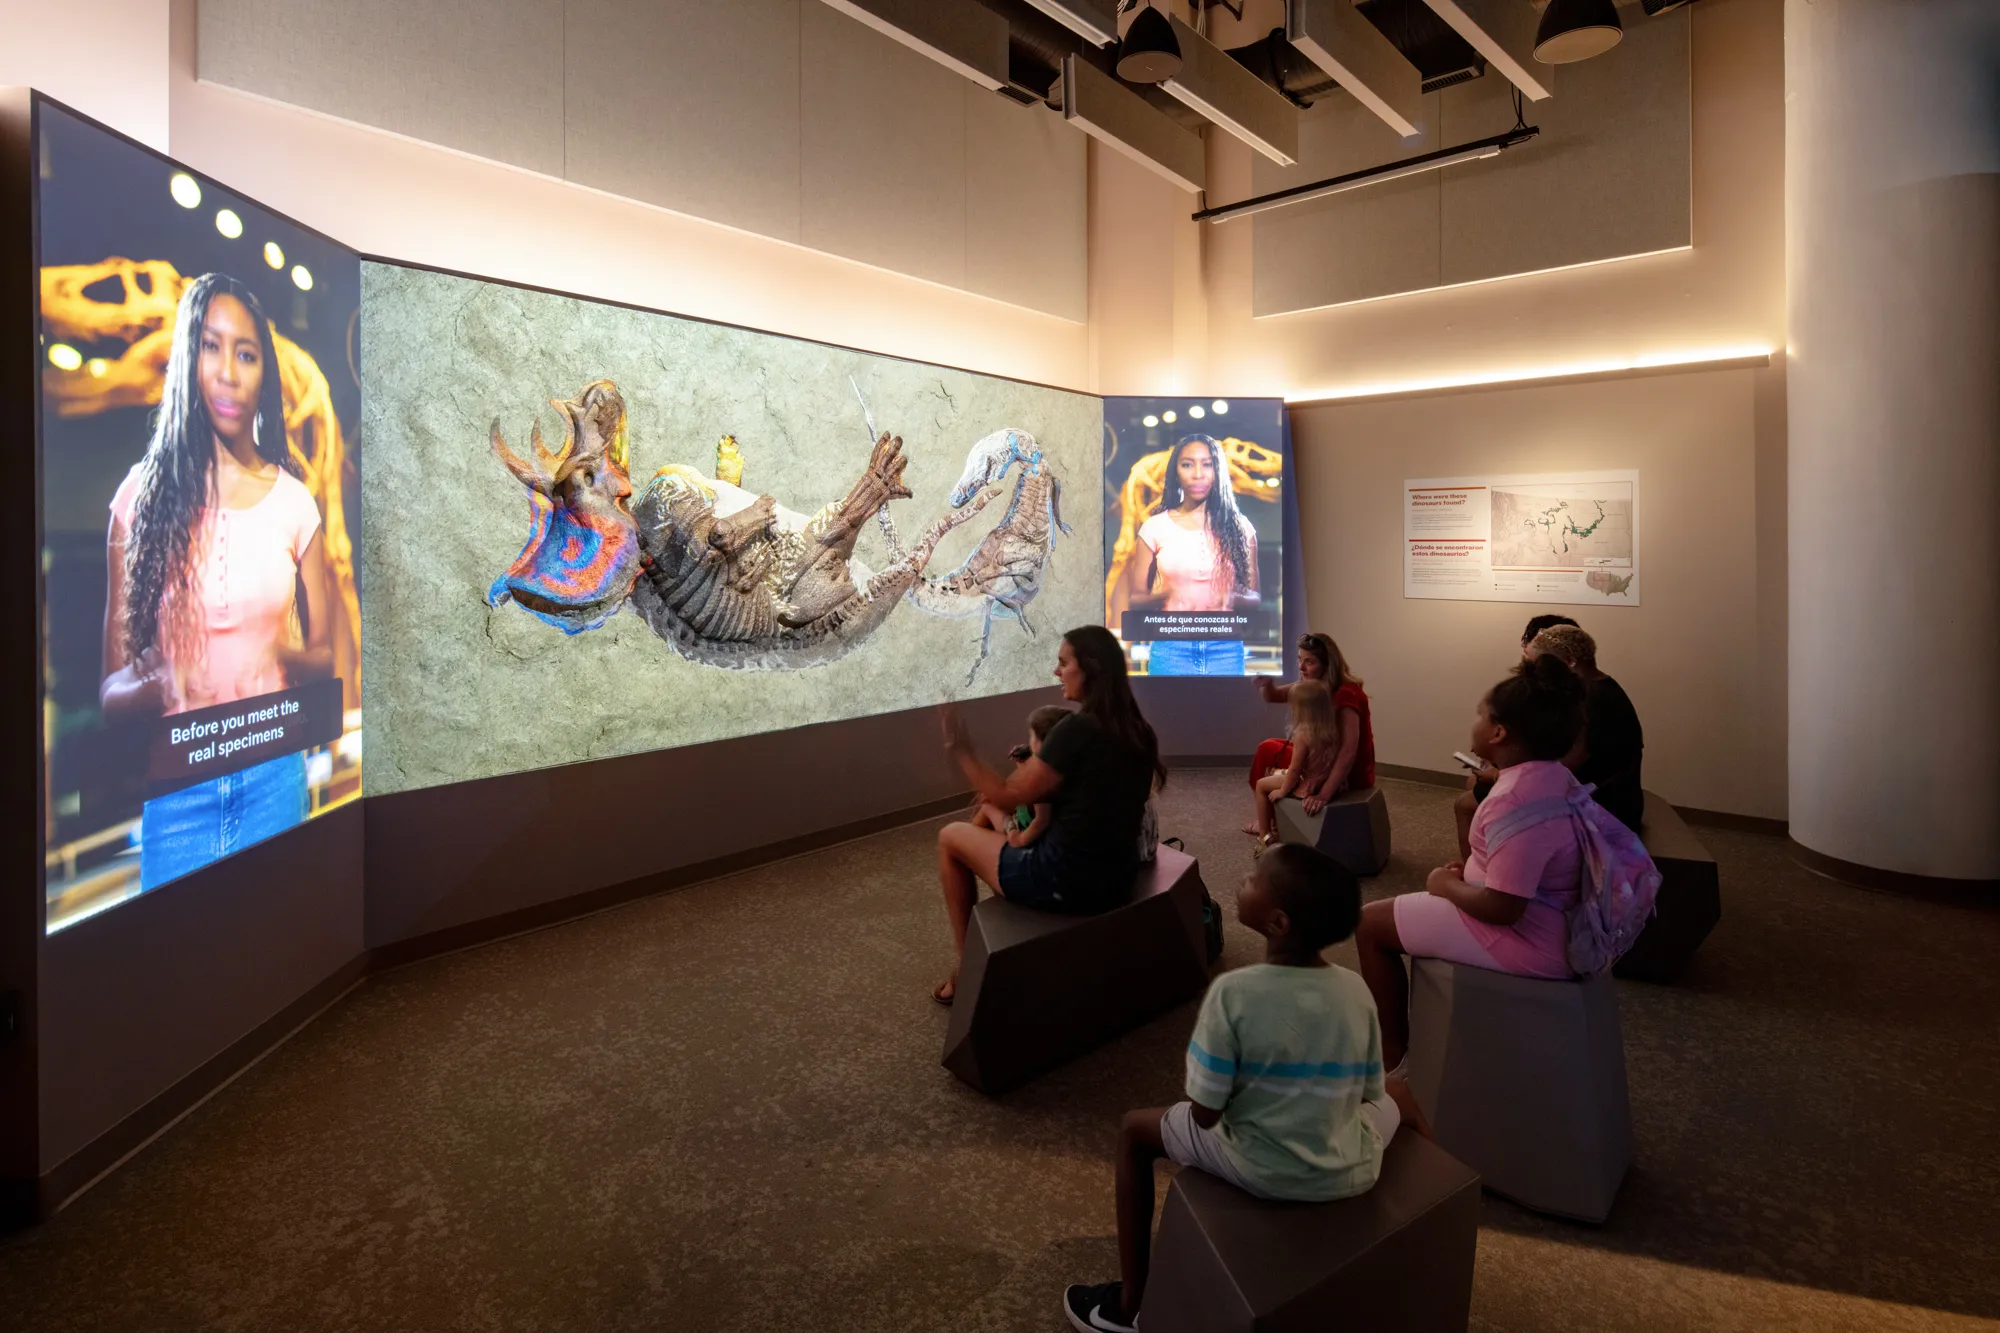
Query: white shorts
[(1190, 1145)]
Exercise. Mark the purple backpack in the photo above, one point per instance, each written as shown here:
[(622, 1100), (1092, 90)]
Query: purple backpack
[(1620, 880)]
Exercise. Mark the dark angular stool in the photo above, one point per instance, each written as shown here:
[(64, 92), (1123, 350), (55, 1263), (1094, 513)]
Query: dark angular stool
[(1353, 829), (1039, 988), (1690, 901), (1397, 1259), (1524, 1078)]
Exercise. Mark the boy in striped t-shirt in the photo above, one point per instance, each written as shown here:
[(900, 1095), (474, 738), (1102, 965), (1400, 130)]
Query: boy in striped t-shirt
[(1286, 1093)]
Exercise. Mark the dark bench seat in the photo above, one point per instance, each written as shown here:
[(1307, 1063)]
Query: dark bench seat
[(1353, 829), (1690, 901), (1038, 988), (1397, 1259)]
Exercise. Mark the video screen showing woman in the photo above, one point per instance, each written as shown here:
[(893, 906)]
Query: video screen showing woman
[(202, 640), (1194, 528)]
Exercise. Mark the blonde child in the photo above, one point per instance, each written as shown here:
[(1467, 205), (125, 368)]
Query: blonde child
[(1315, 747), (1026, 824)]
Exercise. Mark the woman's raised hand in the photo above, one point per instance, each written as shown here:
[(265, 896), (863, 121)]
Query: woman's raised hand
[(955, 739)]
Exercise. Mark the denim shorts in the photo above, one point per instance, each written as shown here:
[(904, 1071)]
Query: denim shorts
[(183, 831), (1196, 657), (1031, 877)]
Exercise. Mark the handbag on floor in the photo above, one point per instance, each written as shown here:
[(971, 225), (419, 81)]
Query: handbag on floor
[(1211, 912)]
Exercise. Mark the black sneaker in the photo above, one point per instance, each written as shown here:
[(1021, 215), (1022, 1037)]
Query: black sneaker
[(1097, 1309)]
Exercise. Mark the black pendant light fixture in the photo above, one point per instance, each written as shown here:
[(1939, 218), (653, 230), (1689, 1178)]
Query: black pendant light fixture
[(1573, 30), (1149, 51)]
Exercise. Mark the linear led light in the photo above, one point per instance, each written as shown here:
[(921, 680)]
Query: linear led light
[(1119, 118), (1333, 35), (1092, 20), (967, 39), (1219, 90), (1354, 180), (1754, 352)]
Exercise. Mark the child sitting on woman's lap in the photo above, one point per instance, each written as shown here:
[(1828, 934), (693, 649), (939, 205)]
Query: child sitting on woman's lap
[(1027, 823)]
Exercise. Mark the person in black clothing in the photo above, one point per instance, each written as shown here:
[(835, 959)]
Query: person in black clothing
[(1097, 768), (1613, 743), (1481, 782)]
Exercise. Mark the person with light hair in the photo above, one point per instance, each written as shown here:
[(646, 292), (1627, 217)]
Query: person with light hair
[(1609, 751)]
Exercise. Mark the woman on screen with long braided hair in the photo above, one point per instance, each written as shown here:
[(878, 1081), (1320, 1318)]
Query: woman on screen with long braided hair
[(218, 587), (1198, 553)]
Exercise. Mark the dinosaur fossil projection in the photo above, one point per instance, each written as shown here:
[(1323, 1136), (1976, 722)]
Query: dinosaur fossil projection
[(731, 578)]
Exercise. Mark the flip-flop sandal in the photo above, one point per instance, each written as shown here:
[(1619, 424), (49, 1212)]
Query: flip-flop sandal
[(938, 996)]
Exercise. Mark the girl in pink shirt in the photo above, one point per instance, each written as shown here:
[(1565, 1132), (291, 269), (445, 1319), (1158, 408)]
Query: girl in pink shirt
[(217, 584), (1506, 910)]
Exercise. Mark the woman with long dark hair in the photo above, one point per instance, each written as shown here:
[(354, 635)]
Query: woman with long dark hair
[(217, 585), (1198, 553), (1097, 768)]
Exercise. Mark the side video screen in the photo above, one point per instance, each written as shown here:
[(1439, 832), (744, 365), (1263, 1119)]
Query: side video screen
[(200, 397), (1193, 534), (598, 531)]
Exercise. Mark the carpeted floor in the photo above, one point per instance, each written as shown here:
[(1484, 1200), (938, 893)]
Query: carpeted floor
[(721, 1109)]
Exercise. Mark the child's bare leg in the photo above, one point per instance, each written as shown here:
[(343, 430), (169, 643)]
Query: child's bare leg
[(1381, 954), (1399, 1092), (1267, 788), (993, 817), (1139, 1146)]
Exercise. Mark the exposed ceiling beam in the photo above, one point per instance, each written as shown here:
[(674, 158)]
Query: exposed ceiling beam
[(1334, 36), (964, 37), (1096, 21), (1121, 120), (1233, 99), (1504, 32)]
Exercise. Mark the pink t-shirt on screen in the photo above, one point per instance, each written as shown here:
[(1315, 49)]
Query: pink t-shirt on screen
[(1193, 572), (246, 566), (1543, 864)]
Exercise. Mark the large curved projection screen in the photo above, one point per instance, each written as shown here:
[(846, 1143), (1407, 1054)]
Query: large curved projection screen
[(597, 530)]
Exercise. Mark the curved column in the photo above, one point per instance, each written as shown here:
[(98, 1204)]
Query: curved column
[(1892, 218)]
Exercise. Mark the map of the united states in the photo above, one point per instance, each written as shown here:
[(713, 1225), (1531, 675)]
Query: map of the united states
[(1562, 531)]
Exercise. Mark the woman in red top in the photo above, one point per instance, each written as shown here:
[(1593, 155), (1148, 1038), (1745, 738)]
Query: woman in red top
[(1320, 658)]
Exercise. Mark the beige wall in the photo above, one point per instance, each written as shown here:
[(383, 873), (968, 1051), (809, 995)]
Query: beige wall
[(1728, 290), (786, 118), (1893, 223), (1608, 177), (1702, 656), (114, 67), (1705, 655), (405, 200)]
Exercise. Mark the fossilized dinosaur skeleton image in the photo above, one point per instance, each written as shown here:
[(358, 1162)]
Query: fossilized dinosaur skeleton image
[(733, 579), (1004, 573)]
